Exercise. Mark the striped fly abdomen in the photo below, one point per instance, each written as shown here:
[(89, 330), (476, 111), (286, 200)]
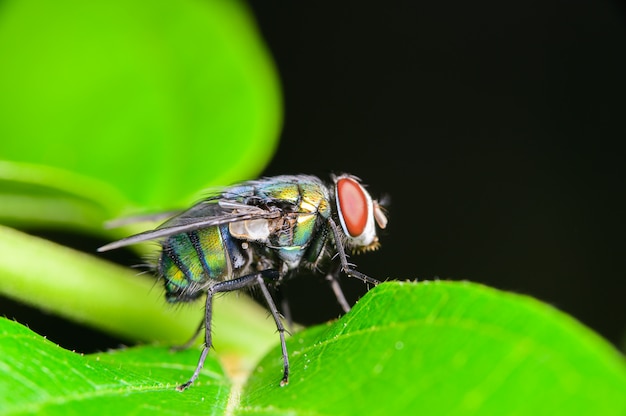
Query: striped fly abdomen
[(193, 261)]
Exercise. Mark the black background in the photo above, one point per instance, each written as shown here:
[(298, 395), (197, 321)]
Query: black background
[(496, 128)]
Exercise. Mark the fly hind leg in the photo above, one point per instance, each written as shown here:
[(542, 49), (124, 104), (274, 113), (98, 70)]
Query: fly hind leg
[(229, 286), (224, 286), (279, 326)]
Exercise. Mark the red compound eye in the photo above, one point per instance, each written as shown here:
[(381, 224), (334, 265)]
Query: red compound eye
[(353, 205)]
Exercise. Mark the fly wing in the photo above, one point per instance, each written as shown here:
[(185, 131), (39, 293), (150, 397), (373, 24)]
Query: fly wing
[(208, 213), (135, 219)]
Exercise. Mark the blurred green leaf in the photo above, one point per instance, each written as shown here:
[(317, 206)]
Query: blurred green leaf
[(121, 301), (112, 106), (109, 108)]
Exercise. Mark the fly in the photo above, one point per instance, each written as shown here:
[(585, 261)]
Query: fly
[(259, 233)]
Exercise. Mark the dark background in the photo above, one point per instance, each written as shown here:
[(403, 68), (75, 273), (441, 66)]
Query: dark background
[(496, 128)]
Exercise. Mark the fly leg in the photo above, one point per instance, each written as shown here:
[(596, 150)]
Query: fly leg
[(346, 267), (279, 326), (334, 284), (224, 286)]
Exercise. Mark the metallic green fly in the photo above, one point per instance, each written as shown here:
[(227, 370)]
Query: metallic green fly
[(260, 233)]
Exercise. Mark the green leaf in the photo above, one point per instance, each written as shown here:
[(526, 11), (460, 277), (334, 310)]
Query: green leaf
[(110, 106), (49, 380), (443, 348)]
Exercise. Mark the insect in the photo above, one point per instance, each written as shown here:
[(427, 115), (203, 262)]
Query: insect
[(259, 233)]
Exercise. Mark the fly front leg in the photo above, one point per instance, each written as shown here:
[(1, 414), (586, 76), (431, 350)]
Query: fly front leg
[(346, 267), (225, 286)]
